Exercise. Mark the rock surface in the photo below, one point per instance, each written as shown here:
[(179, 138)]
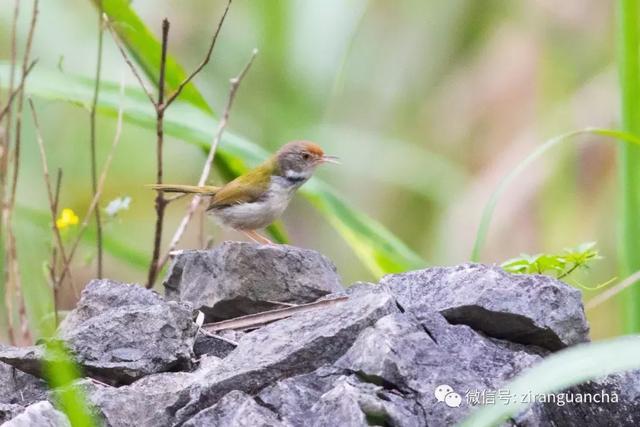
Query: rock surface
[(535, 310), (120, 333), (413, 350), (41, 414), (238, 278), (17, 391)]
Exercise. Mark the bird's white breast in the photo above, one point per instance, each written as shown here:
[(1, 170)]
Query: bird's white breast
[(258, 214)]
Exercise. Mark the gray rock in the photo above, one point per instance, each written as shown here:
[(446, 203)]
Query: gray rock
[(41, 414), (100, 296), (415, 356), (239, 278), (289, 347), (9, 411), (212, 345), (120, 333), (527, 309), (235, 409), (27, 359), (20, 388), (324, 396), (141, 404)]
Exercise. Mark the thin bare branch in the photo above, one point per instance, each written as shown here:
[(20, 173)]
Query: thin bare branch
[(252, 321), (132, 67), (206, 170), (92, 139), (17, 90), (4, 166), (160, 201), (52, 195), (205, 61), (101, 182), (17, 144)]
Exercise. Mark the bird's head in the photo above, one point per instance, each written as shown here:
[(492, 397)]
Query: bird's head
[(297, 160)]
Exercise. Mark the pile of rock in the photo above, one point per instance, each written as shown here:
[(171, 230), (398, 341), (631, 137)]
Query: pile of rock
[(405, 352)]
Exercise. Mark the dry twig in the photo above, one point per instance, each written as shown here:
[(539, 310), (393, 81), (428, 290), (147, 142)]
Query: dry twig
[(259, 319), (16, 91), (206, 170), (160, 105), (204, 62), (92, 140), (103, 177), (53, 196)]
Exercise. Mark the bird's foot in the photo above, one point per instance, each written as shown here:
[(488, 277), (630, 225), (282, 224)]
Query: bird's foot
[(253, 235)]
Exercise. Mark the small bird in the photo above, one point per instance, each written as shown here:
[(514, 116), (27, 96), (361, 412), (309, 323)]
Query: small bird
[(256, 199)]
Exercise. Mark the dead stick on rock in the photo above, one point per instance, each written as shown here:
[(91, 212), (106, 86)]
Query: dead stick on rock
[(259, 319), (197, 199)]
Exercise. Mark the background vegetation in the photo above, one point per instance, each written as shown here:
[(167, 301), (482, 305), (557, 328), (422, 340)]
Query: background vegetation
[(429, 104)]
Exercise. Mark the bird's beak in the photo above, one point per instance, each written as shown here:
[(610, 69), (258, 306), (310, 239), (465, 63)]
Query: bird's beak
[(330, 159)]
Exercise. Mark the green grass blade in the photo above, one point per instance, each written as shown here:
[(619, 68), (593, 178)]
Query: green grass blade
[(629, 157), (378, 248), (145, 48), (490, 207), (559, 371)]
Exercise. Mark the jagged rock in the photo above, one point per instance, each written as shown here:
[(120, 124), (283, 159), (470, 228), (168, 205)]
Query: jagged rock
[(326, 395), (121, 332), (41, 414), (527, 309), (104, 295), (213, 346), (27, 359), (9, 411), (235, 409), (376, 358), (239, 278), (17, 391), (285, 348), (20, 388), (415, 356)]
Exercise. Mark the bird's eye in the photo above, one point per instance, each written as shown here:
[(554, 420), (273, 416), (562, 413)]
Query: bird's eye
[(306, 156)]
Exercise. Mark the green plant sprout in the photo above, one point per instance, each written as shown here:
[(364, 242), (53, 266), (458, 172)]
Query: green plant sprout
[(558, 265)]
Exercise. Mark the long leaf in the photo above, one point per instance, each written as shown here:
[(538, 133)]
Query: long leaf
[(379, 249), (559, 371), (490, 207), (628, 60)]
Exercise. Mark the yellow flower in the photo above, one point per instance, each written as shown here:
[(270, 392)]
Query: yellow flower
[(67, 217)]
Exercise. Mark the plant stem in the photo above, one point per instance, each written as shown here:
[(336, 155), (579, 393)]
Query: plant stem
[(160, 202), (629, 156), (92, 140)]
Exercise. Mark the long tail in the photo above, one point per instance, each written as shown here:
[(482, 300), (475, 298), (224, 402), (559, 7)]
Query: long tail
[(208, 190)]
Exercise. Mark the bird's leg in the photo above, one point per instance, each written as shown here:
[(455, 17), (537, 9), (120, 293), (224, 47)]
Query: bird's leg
[(253, 235)]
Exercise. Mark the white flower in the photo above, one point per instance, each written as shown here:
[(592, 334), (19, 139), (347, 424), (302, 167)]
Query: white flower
[(116, 205)]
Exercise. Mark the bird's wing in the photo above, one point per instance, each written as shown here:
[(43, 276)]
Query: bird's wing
[(246, 188), (179, 188)]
